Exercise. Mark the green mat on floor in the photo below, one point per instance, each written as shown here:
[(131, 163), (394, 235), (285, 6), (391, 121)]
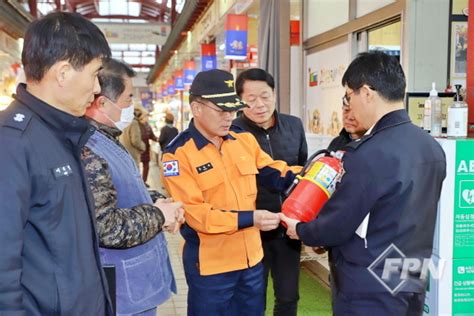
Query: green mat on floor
[(315, 298)]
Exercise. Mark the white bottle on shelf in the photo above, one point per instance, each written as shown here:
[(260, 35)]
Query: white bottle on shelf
[(457, 116), (427, 115), (436, 118)]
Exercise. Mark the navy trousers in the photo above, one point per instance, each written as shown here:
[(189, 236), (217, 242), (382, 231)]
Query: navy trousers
[(233, 293)]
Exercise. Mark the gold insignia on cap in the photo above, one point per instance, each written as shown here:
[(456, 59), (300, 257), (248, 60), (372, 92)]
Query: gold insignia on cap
[(230, 83), (230, 104), (218, 95)]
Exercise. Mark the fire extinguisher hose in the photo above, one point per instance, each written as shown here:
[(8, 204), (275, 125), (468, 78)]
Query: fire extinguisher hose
[(305, 168)]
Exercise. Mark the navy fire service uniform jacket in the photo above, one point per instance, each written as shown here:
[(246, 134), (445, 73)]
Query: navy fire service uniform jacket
[(395, 173), (49, 263)]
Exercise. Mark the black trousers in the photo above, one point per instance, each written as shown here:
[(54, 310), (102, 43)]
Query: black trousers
[(384, 303), (282, 258)]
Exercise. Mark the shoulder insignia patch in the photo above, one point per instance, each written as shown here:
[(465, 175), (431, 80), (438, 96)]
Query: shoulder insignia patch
[(171, 168), (18, 120)]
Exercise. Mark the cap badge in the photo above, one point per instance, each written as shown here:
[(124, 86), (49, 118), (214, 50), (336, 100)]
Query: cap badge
[(230, 83)]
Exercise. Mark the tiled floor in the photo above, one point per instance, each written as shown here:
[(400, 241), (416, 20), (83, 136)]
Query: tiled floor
[(177, 304)]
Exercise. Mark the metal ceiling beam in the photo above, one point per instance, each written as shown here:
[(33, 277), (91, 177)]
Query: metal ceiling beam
[(173, 12), (14, 19), (33, 8), (150, 9), (191, 12)]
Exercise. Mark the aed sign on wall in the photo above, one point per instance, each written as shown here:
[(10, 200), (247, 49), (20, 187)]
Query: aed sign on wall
[(463, 246)]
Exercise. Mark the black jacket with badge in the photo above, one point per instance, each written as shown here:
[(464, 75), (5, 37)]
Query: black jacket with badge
[(50, 263), (284, 141), (395, 173)]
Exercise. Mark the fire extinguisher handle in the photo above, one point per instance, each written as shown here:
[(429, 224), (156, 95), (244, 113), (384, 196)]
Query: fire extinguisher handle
[(292, 186), (310, 160)]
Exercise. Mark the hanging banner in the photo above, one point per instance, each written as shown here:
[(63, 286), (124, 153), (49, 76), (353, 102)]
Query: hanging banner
[(189, 72), (208, 56), (171, 89), (178, 80), (236, 37), (158, 93), (135, 33), (146, 98), (294, 33)]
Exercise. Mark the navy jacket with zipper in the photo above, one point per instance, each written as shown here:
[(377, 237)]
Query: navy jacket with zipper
[(284, 141), (50, 262)]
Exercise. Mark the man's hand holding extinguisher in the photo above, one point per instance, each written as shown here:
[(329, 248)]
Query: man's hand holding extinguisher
[(290, 226), (265, 220)]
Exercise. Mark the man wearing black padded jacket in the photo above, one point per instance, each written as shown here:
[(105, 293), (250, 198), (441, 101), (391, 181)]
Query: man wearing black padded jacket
[(282, 137)]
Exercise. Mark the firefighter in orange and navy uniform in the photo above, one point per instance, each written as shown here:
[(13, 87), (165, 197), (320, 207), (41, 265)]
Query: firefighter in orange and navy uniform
[(214, 171)]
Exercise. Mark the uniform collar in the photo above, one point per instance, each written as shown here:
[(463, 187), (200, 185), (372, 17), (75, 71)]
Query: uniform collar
[(75, 129), (199, 139), (391, 119)]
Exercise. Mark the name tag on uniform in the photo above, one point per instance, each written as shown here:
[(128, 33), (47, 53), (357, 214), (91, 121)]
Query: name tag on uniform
[(63, 171), (204, 168)]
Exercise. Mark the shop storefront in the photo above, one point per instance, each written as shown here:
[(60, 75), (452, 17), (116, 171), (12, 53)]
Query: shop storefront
[(10, 70), (14, 21)]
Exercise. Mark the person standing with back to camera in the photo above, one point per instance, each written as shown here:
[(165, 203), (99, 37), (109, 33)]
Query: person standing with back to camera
[(167, 132), (387, 197)]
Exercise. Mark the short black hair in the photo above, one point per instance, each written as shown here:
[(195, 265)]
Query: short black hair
[(253, 74), (381, 72), (111, 78), (61, 36)]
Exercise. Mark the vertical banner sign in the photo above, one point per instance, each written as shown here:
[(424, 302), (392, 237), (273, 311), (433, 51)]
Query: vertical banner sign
[(189, 72), (146, 97), (463, 235), (294, 33), (236, 37), (159, 94), (164, 90), (171, 89), (208, 56), (178, 80)]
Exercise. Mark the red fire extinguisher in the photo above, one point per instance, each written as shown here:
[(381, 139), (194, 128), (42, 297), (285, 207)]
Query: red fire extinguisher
[(313, 186)]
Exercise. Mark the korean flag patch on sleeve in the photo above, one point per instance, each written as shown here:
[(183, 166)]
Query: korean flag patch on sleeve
[(171, 168)]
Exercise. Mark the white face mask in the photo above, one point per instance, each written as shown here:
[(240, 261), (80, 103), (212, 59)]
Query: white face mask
[(126, 116)]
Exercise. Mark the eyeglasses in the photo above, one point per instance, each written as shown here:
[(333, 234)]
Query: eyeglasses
[(347, 98), (221, 112)]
